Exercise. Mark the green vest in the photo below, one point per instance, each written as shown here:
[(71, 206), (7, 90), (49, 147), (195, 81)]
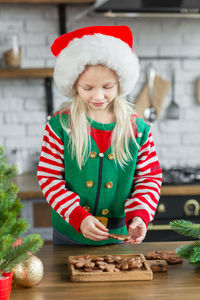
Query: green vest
[(100, 170)]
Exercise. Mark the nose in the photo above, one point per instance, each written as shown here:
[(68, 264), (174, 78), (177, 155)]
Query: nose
[(98, 94)]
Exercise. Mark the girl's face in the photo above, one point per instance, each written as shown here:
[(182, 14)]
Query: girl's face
[(97, 86)]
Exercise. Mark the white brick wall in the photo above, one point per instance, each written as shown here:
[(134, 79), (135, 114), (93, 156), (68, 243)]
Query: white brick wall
[(1, 118), (27, 142), (22, 102), (10, 130)]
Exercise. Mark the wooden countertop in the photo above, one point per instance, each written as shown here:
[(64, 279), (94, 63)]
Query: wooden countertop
[(29, 188), (181, 281)]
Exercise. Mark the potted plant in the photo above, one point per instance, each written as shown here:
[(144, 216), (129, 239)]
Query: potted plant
[(12, 227), (190, 251)]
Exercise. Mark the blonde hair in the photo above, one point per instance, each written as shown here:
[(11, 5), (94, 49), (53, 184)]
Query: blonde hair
[(79, 126)]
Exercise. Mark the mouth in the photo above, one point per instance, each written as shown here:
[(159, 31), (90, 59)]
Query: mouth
[(98, 103)]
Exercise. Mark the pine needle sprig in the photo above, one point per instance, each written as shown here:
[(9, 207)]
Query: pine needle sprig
[(22, 226), (186, 228), (191, 251), (16, 254), (13, 226), (6, 243), (186, 250), (195, 256)]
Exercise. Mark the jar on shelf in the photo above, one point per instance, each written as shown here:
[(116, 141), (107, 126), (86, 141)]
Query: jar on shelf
[(12, 57)]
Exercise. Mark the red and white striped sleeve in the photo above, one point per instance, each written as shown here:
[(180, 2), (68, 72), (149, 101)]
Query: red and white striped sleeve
[(146, 184), (50, 175)]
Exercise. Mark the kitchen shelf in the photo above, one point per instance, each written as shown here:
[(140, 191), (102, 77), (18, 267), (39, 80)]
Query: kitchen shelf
[(29, 188), (26, 73), (45, 73), (46, 1)]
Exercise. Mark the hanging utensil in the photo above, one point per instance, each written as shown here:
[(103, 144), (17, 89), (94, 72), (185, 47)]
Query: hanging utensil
[(150, 112), (173, 110)]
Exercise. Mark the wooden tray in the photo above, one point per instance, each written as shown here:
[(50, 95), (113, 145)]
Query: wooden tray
[(144, 273)]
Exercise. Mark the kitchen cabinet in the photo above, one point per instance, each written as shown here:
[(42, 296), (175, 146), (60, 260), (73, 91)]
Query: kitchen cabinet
[(182, 204)]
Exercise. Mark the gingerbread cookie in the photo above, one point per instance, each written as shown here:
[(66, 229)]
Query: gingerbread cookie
[(169, 256), (107, 263), (120, 237)]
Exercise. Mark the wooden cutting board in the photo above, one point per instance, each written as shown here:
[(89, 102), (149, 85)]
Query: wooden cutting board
[(157, 265), (144, 273)]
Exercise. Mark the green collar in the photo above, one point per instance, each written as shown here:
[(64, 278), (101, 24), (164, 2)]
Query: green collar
[(101, 126)]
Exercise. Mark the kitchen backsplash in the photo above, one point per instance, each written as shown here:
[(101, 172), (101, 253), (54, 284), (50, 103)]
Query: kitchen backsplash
[(22, 101)]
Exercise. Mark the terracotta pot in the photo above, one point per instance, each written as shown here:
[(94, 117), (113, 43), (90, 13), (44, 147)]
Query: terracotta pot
[(5, 286)]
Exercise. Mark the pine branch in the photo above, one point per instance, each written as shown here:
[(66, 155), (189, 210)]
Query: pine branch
[(17, 254), (192, 251), (9, 204), (7, 225), (8, 221), (186, 250), (186, 228), (6, 172), (195, 256), (5, 244), (20, 227)]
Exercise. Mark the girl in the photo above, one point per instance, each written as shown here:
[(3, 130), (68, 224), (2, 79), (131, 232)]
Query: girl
[(98, 167)]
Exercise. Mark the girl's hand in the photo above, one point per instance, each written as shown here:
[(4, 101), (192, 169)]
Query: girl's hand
[(137, 229), (93, 229)]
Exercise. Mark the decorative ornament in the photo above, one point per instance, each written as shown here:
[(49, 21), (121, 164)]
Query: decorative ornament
[(29, 272)]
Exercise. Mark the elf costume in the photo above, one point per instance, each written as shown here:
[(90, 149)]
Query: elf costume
[(101, 188)]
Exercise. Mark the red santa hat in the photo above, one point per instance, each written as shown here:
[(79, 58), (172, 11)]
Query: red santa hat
[(107, 45)]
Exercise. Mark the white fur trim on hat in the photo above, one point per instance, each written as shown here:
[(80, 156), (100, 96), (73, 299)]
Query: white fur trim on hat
[(92, 50)]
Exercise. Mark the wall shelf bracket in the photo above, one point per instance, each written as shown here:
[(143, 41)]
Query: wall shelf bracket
[(49, 95), (62, 18)]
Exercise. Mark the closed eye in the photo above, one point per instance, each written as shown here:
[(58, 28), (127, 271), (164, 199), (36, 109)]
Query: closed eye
[(87, 88), (108, 87)]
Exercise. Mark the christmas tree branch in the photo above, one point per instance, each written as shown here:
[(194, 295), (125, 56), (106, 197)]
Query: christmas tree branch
[(191, 251), (5, 244), (186, 250), (186, 228), (18, 253), (195, 256)]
